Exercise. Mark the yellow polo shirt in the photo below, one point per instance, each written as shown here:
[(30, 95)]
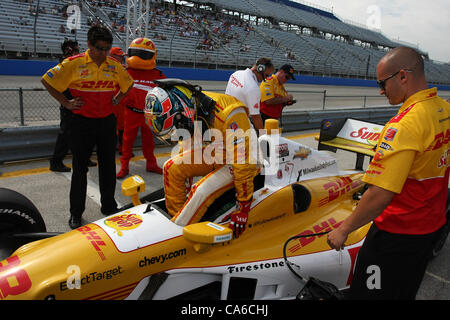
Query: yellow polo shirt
[(272, 88), (411, 160), (95, 85)]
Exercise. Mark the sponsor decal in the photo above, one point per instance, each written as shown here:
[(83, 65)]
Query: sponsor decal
[(94, 277), (338, 188), (390, 134), (97, 84), (326, 124), (302, 153), (364, 133), (95, 240), (260, 222), (18, 213), (124, 222), (50, 74), (256, 267), (323, 226), (234, 126), (162, 258), (443, 160), (321, 166), (378, 156), (386, 146), (282, 150), (439, 140), (13, 279)]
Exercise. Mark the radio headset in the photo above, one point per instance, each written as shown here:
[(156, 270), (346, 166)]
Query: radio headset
[(261, 68)]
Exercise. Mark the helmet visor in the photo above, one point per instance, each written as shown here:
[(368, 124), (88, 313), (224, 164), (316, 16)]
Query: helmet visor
[(141, 53)]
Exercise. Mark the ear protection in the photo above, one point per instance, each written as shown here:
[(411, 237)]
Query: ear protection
[(261, 68)]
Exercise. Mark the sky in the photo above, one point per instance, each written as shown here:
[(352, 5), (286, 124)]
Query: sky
[(416, 22)]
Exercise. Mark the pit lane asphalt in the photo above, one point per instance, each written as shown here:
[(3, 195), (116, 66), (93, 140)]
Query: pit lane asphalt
[(49, 192)]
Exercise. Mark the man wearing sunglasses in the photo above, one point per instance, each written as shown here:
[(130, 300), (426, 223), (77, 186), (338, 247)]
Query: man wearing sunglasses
[(274, 96), (92, 79), (408, 185)]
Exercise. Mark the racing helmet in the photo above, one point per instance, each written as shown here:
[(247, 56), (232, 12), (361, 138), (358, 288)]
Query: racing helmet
[(169, 109), (142, 54)]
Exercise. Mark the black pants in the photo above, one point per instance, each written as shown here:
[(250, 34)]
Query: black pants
[(85, 134), (62, 144), (264, 117), (390, 266)]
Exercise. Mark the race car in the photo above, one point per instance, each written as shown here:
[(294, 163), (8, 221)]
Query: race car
[(140, 253)]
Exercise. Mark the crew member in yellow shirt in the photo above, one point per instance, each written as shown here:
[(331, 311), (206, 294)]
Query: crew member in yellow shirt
[(92, 78), (408, 185), (274, 96)]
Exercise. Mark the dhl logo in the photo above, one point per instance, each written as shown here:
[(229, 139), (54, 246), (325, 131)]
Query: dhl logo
[(97, 84), (439, 140), (323, 226), (95, 240), (338, 188)]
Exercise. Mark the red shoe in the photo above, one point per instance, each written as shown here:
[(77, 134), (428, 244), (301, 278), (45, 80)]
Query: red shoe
[(122, 173), (154, 168)]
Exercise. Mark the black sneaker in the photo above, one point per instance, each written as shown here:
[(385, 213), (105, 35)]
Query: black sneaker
[(58, 167), (74, 222)]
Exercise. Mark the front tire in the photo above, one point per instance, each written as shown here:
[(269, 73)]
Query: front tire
[(17, 215)]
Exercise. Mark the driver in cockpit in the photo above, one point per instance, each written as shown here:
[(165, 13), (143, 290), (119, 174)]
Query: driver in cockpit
[(176, 104)]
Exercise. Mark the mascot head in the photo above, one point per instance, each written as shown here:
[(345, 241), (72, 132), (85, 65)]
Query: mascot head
[(142, 54)]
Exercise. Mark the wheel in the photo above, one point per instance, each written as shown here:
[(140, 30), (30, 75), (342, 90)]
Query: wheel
[(444, 231), (17, 215)]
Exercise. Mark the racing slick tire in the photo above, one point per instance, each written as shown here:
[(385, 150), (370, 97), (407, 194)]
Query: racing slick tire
[(444, 231), (17, 215)]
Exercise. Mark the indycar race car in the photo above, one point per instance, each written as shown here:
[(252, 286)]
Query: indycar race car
[(140, 253)]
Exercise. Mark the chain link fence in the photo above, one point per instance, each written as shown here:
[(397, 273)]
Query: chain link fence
[(24, 106)]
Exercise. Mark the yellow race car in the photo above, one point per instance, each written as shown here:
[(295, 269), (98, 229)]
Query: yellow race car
[(139, 253)]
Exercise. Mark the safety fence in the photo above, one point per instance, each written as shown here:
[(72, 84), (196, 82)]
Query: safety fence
[(24, 143), (35, 107)]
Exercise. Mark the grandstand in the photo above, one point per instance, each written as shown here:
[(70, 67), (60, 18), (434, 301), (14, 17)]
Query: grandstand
[(219, 34)]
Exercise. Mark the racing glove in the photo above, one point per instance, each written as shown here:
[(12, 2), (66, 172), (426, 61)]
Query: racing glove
[(239, 218)]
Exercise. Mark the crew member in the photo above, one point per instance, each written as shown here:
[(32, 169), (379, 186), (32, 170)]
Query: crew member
[(91, 78), (243, 85), (274, 96), (142, 67), (177, 104), (408, 180)]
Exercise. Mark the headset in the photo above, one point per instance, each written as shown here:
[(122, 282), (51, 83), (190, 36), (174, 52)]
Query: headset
[(261, 67)]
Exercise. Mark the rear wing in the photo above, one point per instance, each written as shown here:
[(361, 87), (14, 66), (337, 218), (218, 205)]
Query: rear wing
[(350, 134)]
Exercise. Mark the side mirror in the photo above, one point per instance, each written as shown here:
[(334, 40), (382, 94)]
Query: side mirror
[(205, 234), (131, 187)]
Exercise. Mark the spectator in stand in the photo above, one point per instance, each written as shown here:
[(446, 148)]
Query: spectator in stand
[(274, 96)]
